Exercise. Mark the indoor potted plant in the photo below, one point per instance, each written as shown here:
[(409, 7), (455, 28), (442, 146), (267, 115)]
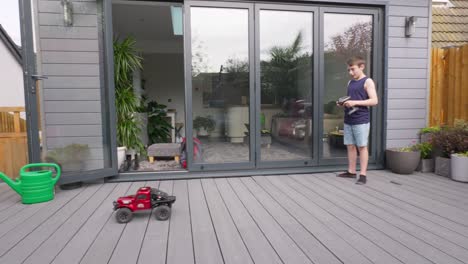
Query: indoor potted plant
[(159, 128), (126, 61), (204, 125), (459, 166), (403, 160), (426, 163)]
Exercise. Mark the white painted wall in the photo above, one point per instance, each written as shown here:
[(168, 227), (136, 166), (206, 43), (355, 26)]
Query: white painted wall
[(11, 76)]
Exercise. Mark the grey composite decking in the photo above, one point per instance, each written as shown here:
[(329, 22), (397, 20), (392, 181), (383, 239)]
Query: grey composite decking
[(314, 218)]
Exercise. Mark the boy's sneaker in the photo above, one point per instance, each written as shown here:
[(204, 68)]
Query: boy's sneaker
[(362, 180), (347, 174)]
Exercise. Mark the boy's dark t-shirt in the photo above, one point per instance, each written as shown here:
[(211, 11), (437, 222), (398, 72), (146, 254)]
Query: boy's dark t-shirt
[(357, 92)]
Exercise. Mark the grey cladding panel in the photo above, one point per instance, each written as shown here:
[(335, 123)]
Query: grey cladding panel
[(406, 114), (399, 83), (408, 42), (72, 94), (73, 119), (78, 7), (408, 73), (69, 45), (58, 142), (71, 69), (70, 57), (407, 53), (402, 133), (65, 82), (408, 11), (74, 130), (407, 104), (59, 32), (72, 106), (406, 124), (399, 21), (399, 63), (407, 93), (47, 19), (399, 32)]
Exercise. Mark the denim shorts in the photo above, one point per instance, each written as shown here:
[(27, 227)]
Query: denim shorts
[(356, 134)]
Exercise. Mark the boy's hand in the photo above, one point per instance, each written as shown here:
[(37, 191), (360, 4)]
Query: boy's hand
[(350, 103), (338, 104)]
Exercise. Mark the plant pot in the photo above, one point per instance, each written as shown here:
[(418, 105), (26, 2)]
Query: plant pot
[(442, 166), (426, 165), (120, 155), (202, 132), (402, 162), (459, 168)]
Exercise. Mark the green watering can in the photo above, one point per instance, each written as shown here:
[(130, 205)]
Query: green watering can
[(34, 186)]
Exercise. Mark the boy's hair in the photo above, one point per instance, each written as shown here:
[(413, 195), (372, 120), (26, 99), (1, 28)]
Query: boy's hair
[(356, 60)]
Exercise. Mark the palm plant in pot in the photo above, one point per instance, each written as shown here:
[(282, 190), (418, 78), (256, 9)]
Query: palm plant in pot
[(403, 160), (204, 125), (126, 60)]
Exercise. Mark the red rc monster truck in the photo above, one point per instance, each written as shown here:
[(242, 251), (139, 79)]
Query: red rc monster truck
[(146, 198)]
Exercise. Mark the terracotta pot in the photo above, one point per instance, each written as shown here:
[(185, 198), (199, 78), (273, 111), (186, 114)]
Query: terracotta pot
[(402, 162)]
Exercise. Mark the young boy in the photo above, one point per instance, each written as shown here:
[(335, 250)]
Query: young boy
[(361, 89)]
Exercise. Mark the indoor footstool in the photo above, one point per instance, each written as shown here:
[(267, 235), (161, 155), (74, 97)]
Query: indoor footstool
[(164, 150)]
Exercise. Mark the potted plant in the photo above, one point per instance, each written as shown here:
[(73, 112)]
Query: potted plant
[(126, 61), (204, 125), (448, 141), (69, 158), (427, 132), (403, 160), (159, 129), (459, 166), (426, 163)]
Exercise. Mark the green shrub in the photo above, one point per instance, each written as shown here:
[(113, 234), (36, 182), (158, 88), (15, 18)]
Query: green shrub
[(426, 150)]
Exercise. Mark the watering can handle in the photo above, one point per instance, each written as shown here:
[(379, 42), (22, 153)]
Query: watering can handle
[(34, 165)]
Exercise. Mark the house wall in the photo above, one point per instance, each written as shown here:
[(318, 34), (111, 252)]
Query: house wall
[(70, 57), (11, 74), (71, 96)]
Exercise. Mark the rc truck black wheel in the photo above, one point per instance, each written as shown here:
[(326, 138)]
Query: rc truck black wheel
[(123, 215), (162, 212)]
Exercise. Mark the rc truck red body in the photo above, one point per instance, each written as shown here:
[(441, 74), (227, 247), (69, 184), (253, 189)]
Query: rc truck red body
[(146, 198)]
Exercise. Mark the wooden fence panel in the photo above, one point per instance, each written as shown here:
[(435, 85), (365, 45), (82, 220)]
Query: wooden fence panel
[(449, 85), (13, 141)]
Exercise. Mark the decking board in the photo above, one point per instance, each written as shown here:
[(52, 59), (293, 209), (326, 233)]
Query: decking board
[(308, 218)]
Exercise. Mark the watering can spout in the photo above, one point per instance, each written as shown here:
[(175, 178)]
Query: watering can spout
[(15, 185)]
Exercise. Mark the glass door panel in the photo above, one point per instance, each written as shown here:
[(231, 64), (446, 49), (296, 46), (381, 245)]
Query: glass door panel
[(286, 81), (221, 85), (344, 35)]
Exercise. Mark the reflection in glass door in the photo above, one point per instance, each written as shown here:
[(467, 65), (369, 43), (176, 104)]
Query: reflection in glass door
[(286, 84), (353, 36)]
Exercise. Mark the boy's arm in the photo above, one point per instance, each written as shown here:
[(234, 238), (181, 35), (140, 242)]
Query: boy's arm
[(371, 92)]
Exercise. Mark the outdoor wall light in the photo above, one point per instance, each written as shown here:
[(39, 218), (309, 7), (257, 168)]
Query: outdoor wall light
[(67, 12), (410, 26)]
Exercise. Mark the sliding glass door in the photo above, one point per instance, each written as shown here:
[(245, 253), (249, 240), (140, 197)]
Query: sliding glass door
[(286, 78), (344, 33), (262, 81)]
